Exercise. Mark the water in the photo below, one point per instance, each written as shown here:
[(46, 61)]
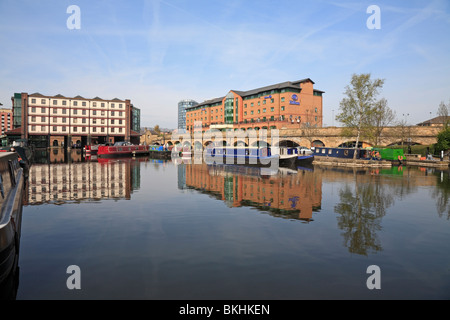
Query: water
[(147, 229)]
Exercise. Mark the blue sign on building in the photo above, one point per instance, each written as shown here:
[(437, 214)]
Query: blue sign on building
[(294, 98)]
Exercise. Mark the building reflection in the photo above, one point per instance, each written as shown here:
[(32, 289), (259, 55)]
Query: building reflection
[(82, 180), (291, 194)]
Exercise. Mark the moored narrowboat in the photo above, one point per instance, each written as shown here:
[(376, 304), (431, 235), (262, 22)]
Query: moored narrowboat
[(252, 156), (122, 149)]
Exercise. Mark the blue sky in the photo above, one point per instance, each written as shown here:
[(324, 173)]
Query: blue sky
[(156, 53)]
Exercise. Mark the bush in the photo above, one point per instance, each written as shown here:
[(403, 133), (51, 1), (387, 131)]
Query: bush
[(443, 138)]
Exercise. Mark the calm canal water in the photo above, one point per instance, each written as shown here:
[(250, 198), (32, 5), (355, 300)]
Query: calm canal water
[(148, 229)]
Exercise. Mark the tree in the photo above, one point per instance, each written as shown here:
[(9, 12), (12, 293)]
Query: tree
[(443, 112), (359, 105), (443, 140), (383, 116)]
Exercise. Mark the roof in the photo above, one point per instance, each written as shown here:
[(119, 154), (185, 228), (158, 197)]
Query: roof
[(14, 132), (435, 120)]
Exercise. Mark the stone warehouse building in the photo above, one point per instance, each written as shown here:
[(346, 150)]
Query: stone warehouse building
[(60, 121)]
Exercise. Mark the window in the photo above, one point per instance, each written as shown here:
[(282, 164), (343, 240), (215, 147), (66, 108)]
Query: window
[(55, 110), (259, 111), (103, 121), (75, 120), (272, 109), (55, 102), (112, 129), (83, 112), (42, 110), (75, 103), (64, 102), (120, 106), (83, 120), (94, 113), (94, 104), (33, 128), (64, 128), (264, 110), (75, 129), (264, 102), (42, 119), (43, 128), (64, 120), (75, 111), (33, 100), (103, 104), (55, 128), (83, 103), (42, 101), (103, 129), (103, 113), (315, 110), (33, 109), (64, 111), (94, 121), (94, 129), (282, 108), (112, 105), (120, 114), (272, 100), (282, 99), (55, 119), (83, 129), (112, 121), (112, 113), (120, 121)]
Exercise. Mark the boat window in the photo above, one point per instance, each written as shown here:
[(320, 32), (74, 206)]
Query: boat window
[(329, 151), (323, 150)]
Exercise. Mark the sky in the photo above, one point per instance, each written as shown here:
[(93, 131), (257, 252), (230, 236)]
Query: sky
[(158, 52)]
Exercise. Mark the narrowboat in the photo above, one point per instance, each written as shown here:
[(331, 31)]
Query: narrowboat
[(252, 156), (92, 149), (159, 152), (305, 156), (12, 184), (344, 153), (121, 149)]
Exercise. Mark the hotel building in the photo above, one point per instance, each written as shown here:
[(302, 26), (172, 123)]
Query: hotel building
[(290, 104), (47, 121)]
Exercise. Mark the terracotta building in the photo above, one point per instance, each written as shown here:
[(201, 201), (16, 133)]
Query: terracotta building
[(283, 105), (57, 121), (6, 116)]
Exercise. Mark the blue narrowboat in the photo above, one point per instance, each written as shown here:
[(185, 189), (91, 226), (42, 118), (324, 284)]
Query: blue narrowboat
[(344, 153), (262, 157)]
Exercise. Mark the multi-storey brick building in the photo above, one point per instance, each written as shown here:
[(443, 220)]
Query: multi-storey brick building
[(65, 121), (287, 104), (6, 116)]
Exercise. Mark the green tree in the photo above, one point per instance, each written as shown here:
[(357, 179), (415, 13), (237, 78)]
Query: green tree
[(358, 108), (443, 140)]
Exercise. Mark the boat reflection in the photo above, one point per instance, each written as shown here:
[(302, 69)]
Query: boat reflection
[(285, 193)]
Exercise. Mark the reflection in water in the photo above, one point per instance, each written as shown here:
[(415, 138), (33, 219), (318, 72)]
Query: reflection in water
[(284, 193), (442, 194), (58, 182)]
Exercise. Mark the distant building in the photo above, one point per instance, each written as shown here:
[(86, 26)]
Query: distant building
[(7, 120), (182, 105), (437, 121), (58, 121)]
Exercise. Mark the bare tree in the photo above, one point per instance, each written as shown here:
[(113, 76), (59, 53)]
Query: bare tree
[(359, 105), (443, 112), (382, 117)]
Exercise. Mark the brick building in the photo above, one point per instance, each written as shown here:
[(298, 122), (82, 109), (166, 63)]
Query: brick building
[(283, 105), (61, 121)]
